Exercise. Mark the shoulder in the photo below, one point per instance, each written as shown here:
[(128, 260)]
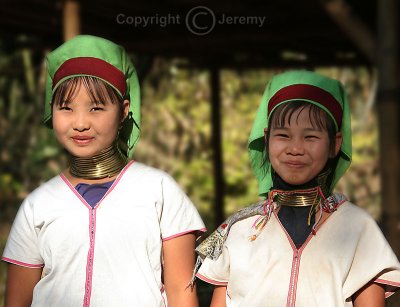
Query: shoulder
[(143, 171), (44, 193), (355, 217), (212, 246), (50, 187), (245, 217), (348, 209), (149, 180)]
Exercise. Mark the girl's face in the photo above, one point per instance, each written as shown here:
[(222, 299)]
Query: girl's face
[(85, 127), (298, 151)]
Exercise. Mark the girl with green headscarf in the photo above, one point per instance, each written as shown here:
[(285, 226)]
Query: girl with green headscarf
[(108, 231), (303, 245)]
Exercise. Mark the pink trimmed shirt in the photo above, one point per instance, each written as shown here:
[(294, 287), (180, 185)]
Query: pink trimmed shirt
[(347, 251), (109, 255)]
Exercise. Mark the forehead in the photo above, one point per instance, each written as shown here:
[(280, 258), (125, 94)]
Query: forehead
[(291, 113)]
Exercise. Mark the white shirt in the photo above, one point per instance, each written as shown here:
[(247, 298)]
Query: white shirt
[(347, 251), (107, 256)]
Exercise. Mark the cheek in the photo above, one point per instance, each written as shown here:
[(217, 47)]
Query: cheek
[(274, 149), (322, 152), (273, 158), (57, 124)]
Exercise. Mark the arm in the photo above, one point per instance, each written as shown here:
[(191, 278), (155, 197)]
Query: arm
[(179, 261), (371, 295), (219, 297), (20, 284)]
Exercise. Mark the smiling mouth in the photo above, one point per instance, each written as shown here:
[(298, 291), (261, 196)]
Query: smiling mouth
[(295, 164), (82, 140)]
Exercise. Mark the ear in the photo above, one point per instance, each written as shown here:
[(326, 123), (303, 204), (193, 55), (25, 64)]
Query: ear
[(338, 142), (125, 109)]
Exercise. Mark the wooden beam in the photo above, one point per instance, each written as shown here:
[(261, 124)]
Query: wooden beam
[(217, 146), (353, 26), (71, 19), (388, 112)]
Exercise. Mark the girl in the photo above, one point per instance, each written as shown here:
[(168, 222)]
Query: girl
[(302, 245), (105, 232)]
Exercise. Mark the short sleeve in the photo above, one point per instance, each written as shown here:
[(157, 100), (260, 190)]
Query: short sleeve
[(216, 272), (179, 216), (22, 246), (374, 260)]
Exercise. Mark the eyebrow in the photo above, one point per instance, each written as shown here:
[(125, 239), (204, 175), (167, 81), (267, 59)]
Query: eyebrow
[(62, 102), (306, 129), (96, 102)]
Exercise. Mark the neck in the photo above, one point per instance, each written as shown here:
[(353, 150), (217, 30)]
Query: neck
[(307, 194), (108, 163)]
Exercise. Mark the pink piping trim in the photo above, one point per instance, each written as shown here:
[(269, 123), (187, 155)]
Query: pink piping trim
[(90, 259), (162, 292), (183, 233), (210, 281), (299, 253), (69, 184), (294, 276), (92, 221), (311, 235), (24, 264), (116, 181), (390, 283)]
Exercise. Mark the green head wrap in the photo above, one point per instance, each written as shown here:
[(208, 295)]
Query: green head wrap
[(326, 93), (86, 55)]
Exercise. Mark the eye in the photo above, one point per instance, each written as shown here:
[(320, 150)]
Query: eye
[(95, 109), (312, 137), (281, 135), (64, 108)]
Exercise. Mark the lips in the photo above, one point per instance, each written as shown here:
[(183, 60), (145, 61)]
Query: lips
[(82, 139), (295, 164)]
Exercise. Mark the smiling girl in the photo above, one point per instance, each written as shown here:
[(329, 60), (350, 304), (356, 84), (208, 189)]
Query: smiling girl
[(303, 245), (107, 231)]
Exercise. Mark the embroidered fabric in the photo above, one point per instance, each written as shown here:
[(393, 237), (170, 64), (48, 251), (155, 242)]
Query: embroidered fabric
[(212, 246)]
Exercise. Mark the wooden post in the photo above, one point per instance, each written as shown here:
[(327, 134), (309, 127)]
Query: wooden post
[(217, 146), (388, 113), (352, 26), (71, 19)]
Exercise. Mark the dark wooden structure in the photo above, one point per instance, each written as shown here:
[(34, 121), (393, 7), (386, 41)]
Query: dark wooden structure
[(227, 34), (293, 33)]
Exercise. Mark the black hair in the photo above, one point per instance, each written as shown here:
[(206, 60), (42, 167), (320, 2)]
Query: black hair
[(99, 91)]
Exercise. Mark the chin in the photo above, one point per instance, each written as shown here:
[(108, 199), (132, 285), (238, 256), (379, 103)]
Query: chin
[(82, 154), (295, 181)]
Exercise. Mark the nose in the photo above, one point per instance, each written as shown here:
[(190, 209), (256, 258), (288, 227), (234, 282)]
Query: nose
[(295, 147), (81, 122)]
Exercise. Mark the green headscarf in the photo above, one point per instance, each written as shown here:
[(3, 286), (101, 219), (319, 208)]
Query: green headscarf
[(326, 93), (86, 55)]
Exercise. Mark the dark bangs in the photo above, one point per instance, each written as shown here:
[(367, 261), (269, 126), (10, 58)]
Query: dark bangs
[(283, 114), (99, 91)]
